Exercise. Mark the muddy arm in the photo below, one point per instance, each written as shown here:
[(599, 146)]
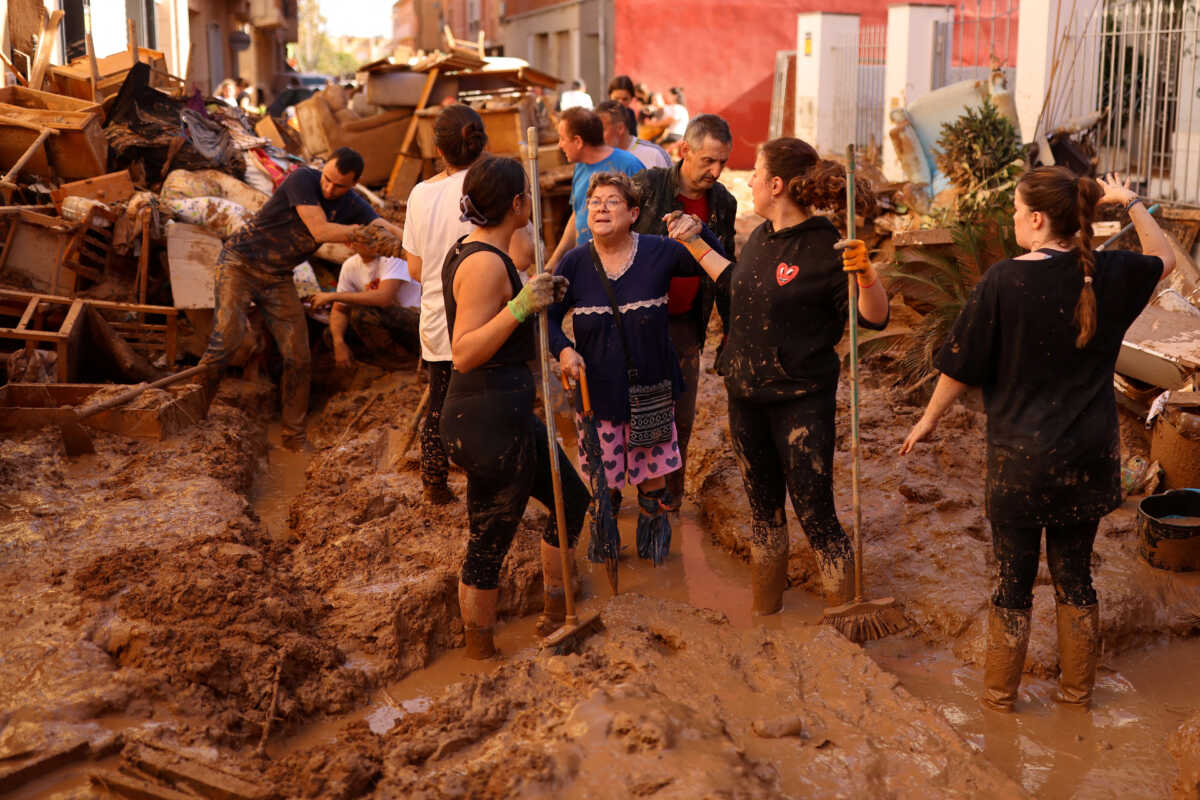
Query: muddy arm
[(948, 390)]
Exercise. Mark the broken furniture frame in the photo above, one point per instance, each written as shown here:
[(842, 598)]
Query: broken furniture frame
[(143, 336)]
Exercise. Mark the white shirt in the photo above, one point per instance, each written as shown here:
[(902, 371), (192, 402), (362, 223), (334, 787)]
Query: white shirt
[(573, 97), (361, 276), (681, 117), (650, 154), (431, 227)]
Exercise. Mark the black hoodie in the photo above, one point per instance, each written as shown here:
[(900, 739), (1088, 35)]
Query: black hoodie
[(788, 301)]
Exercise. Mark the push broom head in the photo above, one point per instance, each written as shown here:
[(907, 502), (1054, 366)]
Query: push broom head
[(866, 620)]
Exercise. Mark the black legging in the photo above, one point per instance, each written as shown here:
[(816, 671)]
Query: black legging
[(1068, 554), (491, 432), (434, 466), (787, 448)]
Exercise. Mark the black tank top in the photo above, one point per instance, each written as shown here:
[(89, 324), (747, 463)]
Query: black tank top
[(520, 346)]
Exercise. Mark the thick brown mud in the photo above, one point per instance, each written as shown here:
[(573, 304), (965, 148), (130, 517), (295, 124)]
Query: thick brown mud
[(156, 590)]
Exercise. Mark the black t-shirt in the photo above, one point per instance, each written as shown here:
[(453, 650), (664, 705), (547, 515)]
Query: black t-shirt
[(276, 239), (789, 307), (1053, 443)]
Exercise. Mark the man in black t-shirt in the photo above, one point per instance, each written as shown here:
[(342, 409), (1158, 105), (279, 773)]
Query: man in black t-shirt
[(309, 208)]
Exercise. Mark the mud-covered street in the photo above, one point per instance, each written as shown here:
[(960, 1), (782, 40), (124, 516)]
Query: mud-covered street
[(168, 595)]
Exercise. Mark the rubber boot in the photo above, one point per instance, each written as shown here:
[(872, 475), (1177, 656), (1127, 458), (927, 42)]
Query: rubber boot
[(653, 527), (478, 607), (1078, 652), (438, 494), (768, 566), (1007, 641), (837, 579), (480, 645)]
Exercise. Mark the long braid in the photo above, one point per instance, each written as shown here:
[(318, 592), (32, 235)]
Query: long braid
[(1088, 193)]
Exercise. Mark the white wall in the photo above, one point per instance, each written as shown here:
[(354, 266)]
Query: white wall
[(909, 72), (826, 71), (1049, 31)]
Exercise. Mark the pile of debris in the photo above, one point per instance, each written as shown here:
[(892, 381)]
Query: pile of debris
[(120, 183)]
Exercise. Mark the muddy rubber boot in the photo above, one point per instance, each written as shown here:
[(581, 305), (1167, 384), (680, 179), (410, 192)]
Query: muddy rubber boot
[(479, 642), (1007, 641), (837, 579), (1078, 652), (768, 565), (554, 613)]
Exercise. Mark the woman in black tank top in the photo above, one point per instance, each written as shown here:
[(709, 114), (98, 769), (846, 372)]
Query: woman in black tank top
[(487, 423)]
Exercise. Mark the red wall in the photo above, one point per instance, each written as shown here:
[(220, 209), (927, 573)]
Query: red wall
[(721, 53)]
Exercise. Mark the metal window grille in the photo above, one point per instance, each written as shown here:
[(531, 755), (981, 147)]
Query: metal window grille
[(1149, 54), (983, 32), (872, 65)]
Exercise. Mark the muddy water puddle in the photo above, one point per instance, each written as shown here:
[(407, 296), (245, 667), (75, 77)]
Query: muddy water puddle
[(1117, 750), (279, 482)]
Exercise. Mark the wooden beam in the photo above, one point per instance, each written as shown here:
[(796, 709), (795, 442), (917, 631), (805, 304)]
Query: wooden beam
[(95, 68), (37, 75), (28, 315), (411, 133)]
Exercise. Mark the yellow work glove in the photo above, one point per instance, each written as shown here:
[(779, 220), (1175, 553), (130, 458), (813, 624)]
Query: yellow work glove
[(855, 259)]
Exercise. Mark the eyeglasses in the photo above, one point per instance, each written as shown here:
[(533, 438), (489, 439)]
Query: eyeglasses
[(595, 203)]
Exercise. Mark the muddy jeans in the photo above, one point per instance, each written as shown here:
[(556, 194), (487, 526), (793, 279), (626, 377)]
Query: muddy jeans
[(687, 349), (491, 432), (382, 329), (1068, 554), (787, 448), (435, 467), (237, 284)]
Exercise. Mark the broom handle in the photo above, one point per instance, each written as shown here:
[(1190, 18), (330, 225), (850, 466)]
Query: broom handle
[(852, 284), (560, 516), (584, 395)]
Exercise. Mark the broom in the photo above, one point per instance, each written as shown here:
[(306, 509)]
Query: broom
[(859, 620), (573, 630), (605, 541)]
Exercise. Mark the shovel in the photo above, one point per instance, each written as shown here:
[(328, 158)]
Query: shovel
[(76, 439)]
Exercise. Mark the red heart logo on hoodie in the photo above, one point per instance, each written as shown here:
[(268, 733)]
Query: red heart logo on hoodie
[(785, 272)]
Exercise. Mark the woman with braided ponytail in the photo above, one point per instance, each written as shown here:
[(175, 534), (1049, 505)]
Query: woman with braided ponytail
[(1040, 335)]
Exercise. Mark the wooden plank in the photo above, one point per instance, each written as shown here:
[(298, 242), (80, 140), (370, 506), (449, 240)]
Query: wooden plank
[(207, 779), (410, 134), (94, 79), (28, 314), (115, 187), (13, 775), (406, 175), (125, 786), (45, 46), (33, 252), (32, 336)]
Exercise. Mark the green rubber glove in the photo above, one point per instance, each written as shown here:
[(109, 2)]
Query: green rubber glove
[(537, 295)]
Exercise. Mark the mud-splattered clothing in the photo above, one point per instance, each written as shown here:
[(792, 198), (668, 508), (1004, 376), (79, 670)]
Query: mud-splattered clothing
[(1053, 444), (275, 240), (641, 294), (1068, 554), (435, 464), (237, 284), (626, 464), (789, 306), (786, 448), (491, 432)]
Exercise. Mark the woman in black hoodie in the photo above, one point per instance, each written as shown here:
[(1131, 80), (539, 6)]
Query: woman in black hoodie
[(789, 306)]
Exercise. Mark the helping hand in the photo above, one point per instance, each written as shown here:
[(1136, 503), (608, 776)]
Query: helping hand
[(855, 259), (537, 295), (682, 227)]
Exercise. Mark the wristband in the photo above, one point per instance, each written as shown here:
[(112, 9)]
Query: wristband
[(1132, 203), (862, 285), (512, 306)]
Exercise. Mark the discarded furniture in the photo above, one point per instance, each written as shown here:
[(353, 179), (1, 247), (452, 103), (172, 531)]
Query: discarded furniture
[(1161, 348), (75, 79), (156, 415), (192, 255), (152, 338), (34, 250), (79, 148), (114, 187), (1175, 444)]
